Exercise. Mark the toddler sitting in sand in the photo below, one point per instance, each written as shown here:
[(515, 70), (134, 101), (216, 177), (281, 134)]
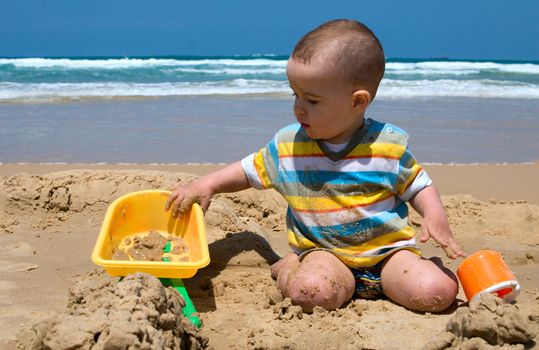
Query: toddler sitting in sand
[(346, 179)]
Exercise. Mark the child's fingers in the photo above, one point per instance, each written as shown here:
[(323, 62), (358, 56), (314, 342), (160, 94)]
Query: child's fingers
[(453, 250), (459, 252), (204, 204), (176, 204), (175, 191), (425, 234), (170, 200), (186, 203), (450, 252)]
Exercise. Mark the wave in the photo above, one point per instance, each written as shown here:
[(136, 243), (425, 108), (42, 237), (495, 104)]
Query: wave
[(126, 63), (426, 67), (460, 67), (390, 88), (230, 71), (60, 91)]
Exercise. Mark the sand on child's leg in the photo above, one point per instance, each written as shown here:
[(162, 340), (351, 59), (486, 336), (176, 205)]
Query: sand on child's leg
[(320, 279), (417, 283)]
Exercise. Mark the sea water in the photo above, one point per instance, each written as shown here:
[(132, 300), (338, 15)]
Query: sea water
[(218, 109)]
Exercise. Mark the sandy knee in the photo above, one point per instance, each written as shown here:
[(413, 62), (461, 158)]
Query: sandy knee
[(417, 283), (434, 294), (322, 280), (309, 290)]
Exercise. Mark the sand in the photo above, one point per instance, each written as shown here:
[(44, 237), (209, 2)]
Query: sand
[(50, 216), (137, 312)]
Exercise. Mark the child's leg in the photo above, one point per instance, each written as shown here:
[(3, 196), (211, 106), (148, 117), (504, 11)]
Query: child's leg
[(417, 283), (320, 279)]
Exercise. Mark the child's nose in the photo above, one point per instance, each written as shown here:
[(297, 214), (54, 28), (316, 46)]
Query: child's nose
[(299, 109)]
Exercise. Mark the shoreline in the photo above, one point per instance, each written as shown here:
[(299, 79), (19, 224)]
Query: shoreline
[(508, 182)]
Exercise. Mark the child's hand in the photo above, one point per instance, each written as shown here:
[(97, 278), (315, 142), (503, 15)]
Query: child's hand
[(438, 229), (228, 179), (183, 197)]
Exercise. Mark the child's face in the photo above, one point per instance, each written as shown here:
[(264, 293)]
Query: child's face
[(325, 104)]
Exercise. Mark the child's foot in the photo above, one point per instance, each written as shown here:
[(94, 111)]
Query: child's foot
[(288, 262), (283, 270)]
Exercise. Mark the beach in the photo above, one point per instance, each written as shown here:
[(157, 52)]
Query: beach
[(51, 214), (77, 133)]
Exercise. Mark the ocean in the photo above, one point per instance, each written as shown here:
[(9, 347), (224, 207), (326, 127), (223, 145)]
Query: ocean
[(218, 109)]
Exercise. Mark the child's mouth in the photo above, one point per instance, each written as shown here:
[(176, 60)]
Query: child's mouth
[(304, 125)]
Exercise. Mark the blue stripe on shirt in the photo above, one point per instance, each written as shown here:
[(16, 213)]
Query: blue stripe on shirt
[(363, 225), (320, 177)]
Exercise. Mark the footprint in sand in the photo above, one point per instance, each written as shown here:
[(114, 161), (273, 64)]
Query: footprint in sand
[(9, 266)]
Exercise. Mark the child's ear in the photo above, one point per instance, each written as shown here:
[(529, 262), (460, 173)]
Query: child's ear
[(361, 99)]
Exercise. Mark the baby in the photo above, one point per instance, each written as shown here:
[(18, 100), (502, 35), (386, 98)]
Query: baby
[(346, 179)]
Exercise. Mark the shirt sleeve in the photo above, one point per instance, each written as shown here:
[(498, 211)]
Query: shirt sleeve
[(261, 167), (412, 177)]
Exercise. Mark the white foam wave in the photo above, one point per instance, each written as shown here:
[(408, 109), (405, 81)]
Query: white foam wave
[(113, 63), (231, 71), (390, 88), (424, 68), (45, 92), (457, 67)]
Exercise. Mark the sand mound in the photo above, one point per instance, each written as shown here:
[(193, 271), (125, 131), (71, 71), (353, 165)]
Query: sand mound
[(488, 323), (135, 313)]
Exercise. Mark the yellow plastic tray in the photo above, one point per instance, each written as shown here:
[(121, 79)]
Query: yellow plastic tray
[(137, 213)]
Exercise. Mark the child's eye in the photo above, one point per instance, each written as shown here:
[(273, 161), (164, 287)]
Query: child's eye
[(313, 102)]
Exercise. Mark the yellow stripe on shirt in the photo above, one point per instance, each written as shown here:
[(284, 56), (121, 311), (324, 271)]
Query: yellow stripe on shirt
[(299, 149), (328, 204), (261, 170), (374, 150), (402, 186), (371, 150)]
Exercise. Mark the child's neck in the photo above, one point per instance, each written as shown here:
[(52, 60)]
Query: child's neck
[(344, 142), (336, 147)]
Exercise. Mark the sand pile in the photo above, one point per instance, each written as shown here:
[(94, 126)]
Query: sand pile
[(488, 323), (135, 313)]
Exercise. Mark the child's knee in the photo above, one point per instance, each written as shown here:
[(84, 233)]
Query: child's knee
[(417, 283), (309, 289), (322, 280), (434, 294)]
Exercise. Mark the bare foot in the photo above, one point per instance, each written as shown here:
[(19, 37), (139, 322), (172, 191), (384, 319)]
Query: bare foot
[(289, 261)]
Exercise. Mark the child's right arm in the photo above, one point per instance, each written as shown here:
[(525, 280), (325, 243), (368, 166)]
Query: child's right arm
[(229, 179)]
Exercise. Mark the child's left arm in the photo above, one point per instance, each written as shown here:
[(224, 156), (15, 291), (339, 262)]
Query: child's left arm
[(428, 204)]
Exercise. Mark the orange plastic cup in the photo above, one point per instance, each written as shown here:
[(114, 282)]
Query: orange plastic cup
[(487, 272)]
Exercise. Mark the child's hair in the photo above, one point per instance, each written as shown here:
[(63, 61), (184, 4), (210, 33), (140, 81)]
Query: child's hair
[(353, 48)]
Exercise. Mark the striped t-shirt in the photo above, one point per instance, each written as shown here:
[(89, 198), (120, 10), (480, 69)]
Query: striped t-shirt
[(350, 202)]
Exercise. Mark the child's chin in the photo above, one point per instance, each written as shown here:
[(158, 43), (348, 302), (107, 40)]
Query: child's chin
[(311, 133)]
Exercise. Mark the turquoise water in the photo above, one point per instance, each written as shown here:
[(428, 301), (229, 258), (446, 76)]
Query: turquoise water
[(59, 79)]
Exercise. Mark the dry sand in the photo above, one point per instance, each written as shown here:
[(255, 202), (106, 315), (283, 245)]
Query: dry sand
[(50, 216)]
